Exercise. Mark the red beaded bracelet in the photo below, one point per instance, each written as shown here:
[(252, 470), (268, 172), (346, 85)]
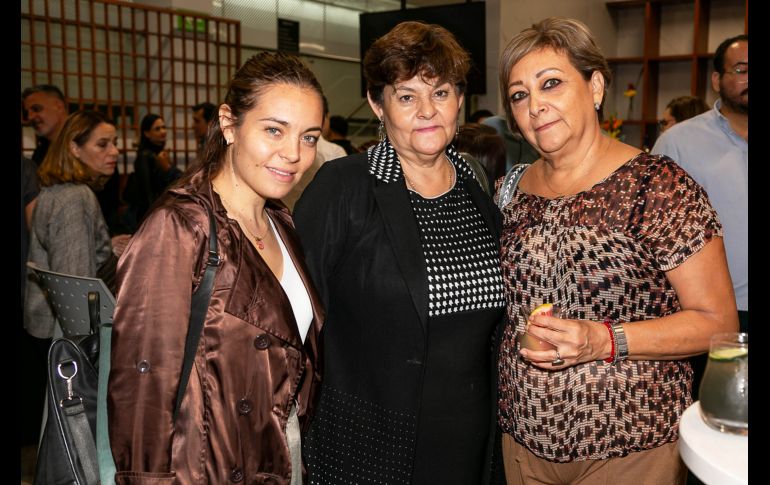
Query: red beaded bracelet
[(608, 323)]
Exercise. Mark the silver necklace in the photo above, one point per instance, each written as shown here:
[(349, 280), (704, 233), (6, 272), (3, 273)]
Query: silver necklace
[(410, 185)]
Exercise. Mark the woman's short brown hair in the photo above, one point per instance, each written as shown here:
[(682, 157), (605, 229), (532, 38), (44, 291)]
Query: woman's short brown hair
[(412, 48), (685, 107), (568, 36), (485, 144), (60, 165)]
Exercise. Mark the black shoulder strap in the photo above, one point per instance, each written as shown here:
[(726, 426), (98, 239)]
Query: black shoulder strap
[(200, 304)]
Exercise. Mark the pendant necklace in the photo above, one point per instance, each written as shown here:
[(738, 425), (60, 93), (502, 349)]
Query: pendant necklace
[(260, 244)]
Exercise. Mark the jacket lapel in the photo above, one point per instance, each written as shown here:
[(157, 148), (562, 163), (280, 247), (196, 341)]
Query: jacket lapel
[(401, 228), (400, 224), (294, 249)]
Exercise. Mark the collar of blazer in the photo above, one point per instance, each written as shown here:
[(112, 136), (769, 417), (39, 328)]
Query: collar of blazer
[(401, 225), (385, 166)]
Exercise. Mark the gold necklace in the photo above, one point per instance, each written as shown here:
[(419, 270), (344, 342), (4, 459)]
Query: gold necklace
[(260, 243), (260, 240), (411, 185)]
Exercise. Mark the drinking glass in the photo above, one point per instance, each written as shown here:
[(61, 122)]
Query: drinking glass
[(528, 341), (724, 390)]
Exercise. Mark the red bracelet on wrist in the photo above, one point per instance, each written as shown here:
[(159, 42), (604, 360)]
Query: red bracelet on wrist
[(608, 323)]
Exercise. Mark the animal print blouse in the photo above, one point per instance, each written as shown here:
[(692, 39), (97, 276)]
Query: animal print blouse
[(600, 253)]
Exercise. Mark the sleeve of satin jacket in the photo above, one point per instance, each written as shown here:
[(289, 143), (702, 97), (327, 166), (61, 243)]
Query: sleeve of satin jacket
[(155, 282)]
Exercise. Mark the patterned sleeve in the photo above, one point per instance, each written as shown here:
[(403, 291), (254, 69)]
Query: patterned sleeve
[(676, 217)]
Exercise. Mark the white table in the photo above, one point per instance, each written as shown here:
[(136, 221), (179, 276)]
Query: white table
[(714, 457)]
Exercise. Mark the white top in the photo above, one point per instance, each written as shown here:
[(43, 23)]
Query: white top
[(326, 150), (295, 289), (716, 458)]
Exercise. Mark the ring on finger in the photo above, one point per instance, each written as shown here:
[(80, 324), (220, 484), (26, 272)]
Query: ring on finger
[(559, 360)]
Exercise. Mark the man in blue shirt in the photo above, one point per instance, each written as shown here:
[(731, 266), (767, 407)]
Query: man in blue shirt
[(714, 149)]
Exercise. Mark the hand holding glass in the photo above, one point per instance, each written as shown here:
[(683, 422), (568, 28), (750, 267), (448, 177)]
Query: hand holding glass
[(529, 341)]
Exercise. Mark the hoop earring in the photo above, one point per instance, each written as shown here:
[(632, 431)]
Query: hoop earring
[(381, 130)]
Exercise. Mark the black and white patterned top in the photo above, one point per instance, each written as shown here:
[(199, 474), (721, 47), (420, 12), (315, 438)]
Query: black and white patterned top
[(460, 255)]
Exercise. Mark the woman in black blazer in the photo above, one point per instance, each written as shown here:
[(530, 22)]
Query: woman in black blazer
[(402, 243)]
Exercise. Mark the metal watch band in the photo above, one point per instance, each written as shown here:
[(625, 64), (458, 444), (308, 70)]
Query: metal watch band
[(621, 344)]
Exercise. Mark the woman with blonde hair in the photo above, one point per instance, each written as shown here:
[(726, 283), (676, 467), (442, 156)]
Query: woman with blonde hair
[(69, 234)]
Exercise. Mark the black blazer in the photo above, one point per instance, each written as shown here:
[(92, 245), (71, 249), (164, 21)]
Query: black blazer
[(363, 251)]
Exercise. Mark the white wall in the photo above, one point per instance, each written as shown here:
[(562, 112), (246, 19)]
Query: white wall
[(506, 18)]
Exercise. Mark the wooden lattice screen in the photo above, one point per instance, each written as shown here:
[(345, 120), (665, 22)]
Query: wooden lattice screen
[(127, 60)]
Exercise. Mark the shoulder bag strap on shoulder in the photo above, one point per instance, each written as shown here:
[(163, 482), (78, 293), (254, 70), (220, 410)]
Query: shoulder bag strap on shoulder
[(510, 183), (200, 304)]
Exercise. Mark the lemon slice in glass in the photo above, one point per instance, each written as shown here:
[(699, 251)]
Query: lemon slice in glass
[(728, 354)]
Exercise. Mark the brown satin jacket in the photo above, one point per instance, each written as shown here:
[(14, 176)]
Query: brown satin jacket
[(250, 367)]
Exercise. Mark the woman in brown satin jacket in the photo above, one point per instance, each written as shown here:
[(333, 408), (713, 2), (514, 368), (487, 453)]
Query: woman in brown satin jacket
[(256, 372)]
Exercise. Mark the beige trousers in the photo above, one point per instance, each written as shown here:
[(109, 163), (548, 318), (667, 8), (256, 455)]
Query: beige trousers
[(658, 466), (295, 446)]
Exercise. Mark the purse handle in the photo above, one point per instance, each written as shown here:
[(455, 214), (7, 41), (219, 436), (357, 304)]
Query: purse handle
[(200, 304), (510, 182)]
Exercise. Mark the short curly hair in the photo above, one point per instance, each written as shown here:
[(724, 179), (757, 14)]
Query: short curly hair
[(413, 48)]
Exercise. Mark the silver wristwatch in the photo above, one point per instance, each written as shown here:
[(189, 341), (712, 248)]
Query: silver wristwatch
[(621, 344)]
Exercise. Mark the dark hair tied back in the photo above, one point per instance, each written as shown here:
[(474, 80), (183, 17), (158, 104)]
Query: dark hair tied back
[(257, 74)]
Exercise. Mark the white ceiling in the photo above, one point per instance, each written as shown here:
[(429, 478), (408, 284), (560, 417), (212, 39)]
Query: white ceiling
[(383, 5)]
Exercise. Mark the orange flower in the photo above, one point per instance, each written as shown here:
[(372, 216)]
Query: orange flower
[(612, 126)]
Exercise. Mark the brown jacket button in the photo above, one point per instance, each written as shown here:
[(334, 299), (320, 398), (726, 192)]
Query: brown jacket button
[(261, 342), (236, 475), (244, 406), (143, 367)]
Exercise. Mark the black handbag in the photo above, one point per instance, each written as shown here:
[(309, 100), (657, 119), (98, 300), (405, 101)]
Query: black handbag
[(75, 444), (67, 451)]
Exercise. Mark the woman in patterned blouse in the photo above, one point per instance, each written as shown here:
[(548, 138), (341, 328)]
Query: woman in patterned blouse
[(629, 247)]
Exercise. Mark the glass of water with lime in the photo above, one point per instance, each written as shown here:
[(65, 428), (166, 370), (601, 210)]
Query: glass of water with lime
[(724, 390)]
